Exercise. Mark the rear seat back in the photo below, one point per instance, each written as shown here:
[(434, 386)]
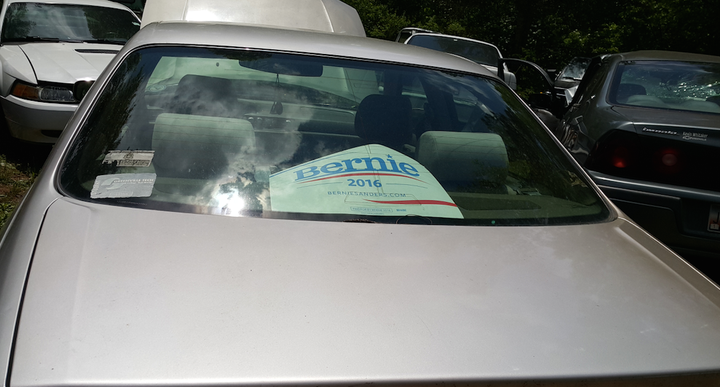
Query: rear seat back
[(206, 96), (385, 120), (463, 161), (198, 147)]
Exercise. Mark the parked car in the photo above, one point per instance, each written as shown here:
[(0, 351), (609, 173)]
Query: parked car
[(50, 54), (568, 79), (407, 32), (237, 205), (480, 52), (647, 126), (135, 5)]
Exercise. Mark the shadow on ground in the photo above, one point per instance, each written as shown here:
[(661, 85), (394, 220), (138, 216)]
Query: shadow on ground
[(27, 156)]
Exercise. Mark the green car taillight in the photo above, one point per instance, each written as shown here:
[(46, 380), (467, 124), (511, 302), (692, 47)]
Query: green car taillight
[(670, 161)]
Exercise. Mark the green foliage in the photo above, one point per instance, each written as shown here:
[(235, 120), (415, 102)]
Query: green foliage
[(379, 21), (13, 186), (551, 32)]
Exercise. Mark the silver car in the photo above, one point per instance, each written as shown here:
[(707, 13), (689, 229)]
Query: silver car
[(50, 54), (246, 206)]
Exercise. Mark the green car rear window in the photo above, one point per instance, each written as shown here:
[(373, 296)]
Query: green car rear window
[(250, 133), (664, 84)]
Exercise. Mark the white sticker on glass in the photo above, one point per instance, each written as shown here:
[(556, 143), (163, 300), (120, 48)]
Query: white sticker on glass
[(126, 185), (125, 158)]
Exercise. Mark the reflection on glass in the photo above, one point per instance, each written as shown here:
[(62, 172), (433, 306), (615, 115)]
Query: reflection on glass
[(691, 86), (352, 141), (478, 52), (67, 23)]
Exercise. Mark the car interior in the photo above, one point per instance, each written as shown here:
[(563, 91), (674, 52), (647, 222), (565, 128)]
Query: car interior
[(208, 130)]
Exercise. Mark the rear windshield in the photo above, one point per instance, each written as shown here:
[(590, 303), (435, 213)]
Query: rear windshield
[(575, 69), (244, 133), (29, 22), (484, 54), (675, 85)]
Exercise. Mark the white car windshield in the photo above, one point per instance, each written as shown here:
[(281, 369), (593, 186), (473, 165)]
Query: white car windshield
[(250, 133), (30, 22)]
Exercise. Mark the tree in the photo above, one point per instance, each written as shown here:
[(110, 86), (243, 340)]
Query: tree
[(551, 32)]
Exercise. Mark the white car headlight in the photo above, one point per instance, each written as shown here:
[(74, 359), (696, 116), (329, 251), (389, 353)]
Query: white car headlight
[(43, 93)]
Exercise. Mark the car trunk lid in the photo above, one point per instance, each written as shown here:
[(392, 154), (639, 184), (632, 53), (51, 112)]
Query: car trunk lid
[(120, 296)]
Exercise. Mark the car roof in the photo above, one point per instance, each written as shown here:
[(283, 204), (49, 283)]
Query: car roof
[(100, 3), (297, 41), (665, 55), (314, 15), (454, 37)]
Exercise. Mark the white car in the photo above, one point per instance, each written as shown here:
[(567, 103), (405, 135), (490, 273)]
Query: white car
[(51, 52), (482, 53)]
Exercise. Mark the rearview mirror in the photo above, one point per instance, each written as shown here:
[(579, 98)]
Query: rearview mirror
[(284, 66)]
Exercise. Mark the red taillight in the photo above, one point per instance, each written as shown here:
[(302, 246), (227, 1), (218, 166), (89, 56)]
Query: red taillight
[(619, 153), (667, 161), (655, 158), (620, 157)]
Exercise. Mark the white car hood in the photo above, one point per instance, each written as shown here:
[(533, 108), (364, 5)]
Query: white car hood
[(120, 296), (69, 62)]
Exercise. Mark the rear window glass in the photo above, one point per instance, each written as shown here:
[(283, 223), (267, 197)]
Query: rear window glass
[(477, 52), (245, 133), (675, 85)]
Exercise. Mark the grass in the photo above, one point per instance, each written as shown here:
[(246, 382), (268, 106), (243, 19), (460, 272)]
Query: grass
[(14, 183)]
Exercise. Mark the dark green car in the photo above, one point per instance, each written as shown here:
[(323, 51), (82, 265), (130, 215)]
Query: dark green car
[(646, 125)]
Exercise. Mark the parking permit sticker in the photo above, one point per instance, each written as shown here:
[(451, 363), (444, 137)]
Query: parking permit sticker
[(367, 180), (127, 185), (714, 221), (129, 158)]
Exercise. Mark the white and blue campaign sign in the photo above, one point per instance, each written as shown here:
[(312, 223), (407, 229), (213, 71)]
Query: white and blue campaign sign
[(367, 180)]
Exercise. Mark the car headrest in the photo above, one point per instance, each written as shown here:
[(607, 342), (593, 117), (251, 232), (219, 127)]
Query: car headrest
[(384, 119), (646, 100), (625, 90), (462, 159), (198, 146), (207, 96), (701, 106)]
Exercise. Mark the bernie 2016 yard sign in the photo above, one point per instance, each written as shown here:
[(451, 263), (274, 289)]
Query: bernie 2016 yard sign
[(367, 180)]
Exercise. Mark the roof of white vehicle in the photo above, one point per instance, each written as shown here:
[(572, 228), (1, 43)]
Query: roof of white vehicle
[(295, 41), (315, 15), (455, 37), (99, 3)]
